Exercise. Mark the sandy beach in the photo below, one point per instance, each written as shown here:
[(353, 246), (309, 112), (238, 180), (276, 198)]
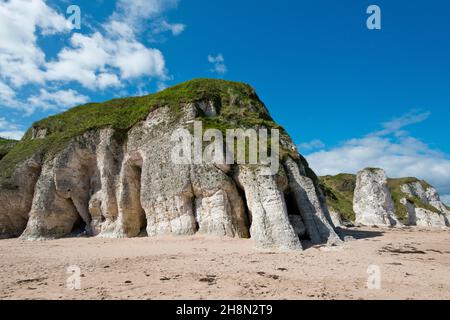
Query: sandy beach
[(413, 264)]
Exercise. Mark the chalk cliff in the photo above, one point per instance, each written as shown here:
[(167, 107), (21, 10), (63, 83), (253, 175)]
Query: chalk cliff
[(105, 169)]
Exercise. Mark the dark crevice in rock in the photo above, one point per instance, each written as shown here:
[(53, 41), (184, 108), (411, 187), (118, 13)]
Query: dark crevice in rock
[(141, 212), (194, 212), (247, 213), (291, 204), (137, 171), (79, 226), (294, 212)]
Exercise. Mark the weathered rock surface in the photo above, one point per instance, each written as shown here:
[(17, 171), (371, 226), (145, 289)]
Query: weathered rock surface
[(312, 209), (336, 217), (435, 216), (372, 202), (422, 217), (111, 187), (16, 200)]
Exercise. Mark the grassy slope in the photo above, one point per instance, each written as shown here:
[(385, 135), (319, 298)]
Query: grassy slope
[(339, 193), (340, 189), (5, 146), (395, 188), (122, 114)]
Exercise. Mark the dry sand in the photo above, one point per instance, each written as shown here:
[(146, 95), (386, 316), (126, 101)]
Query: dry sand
[(414, 264)]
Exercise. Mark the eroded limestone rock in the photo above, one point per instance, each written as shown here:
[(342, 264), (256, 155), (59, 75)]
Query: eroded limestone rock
[(372, 202), (428, 196), (422, 217), (16, 199), (267, 208), (336, 217), (315, 219)]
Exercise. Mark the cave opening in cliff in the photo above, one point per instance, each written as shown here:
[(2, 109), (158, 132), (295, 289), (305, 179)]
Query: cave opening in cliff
[(79, 226), (293, 209), (247, 213)]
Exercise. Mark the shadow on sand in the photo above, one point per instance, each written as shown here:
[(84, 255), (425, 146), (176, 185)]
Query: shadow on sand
[(343, 233), (357, 234)]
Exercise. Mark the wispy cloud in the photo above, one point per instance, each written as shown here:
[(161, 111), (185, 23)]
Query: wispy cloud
[(311, 145), (391, 148), (162, 25), (395, 125), (137, 12), (218, 63), (57, 100)]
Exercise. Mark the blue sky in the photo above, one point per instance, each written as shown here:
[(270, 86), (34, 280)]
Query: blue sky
[(350, 97)]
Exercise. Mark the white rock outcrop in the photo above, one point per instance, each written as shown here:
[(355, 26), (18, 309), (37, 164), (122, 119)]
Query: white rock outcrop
[(436, 216), (422, 217), (372, 201)]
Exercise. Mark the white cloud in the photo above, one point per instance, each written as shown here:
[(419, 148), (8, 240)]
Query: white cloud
[(135, 60), (82, 61), (163, 25), (119, 29), (14, 135), (97, 61), (399, 154), (135, 12), (7, 95), (10, 130), (57, 100), (21, 60), (218, 63), (111, 56), (311, 145)]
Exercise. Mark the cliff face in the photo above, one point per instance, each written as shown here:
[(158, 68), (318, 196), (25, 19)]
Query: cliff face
[(106, 169), (377, 200)]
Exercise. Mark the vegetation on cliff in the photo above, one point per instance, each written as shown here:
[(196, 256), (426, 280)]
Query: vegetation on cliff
[(5, 146), (239, 106), (339, 193)]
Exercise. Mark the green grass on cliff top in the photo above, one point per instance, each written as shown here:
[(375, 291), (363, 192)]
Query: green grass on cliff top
[(122, 114)]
